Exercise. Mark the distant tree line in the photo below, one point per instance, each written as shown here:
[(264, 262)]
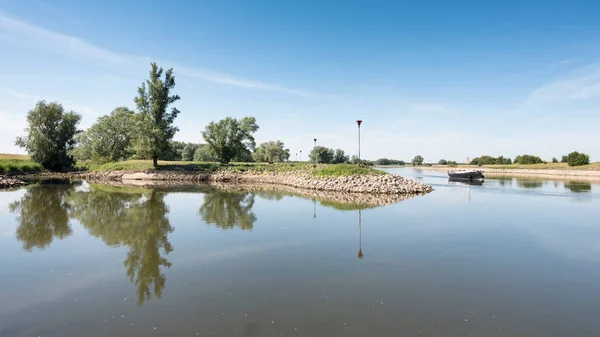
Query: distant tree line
[(385, 161), (572, 159), (489, 160)]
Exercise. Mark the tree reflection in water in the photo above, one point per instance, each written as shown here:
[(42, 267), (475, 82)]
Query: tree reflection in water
[(43, 214), (578, 187), (228, 209), (135, 218)]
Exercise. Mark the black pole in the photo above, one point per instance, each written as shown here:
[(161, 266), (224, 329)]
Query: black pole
[(360, 253)]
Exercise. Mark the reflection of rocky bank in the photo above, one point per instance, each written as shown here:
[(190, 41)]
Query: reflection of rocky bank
[(338, 200), (372, 184), (10, 183)]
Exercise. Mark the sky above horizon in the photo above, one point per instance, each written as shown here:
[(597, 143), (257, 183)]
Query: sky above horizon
[(441, 79)]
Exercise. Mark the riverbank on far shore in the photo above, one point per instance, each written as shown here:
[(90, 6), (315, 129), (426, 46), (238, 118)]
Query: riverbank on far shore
[(555, 173)]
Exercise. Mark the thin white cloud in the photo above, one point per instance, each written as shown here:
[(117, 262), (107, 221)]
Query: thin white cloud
[(69, 105), (584, 84), (70, 45), (428, 107)]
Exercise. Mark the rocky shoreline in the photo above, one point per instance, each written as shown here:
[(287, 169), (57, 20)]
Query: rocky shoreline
[(371, 184), (10, 183)]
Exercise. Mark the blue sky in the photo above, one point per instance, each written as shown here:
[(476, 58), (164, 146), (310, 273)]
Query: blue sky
[(443, 79)]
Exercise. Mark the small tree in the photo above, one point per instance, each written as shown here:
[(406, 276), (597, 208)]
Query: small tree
[(50, 135), (155, 127), (564, 159), (204, 153), (321, 155), (443, 162), (578, 159), (452, 163), (188, 151), (339, 157), (417, 161), (272, 151), (230, 137), (554, 160), (109, 139)]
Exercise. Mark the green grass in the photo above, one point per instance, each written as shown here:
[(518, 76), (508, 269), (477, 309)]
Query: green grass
[(342, 170), (18, 166), (320, 170)]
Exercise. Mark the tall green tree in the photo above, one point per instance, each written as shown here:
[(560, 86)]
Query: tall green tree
[(231, 137), (272, 151), (155, 127), (50, 135), (321, 155), (109, 139), (417, 161)]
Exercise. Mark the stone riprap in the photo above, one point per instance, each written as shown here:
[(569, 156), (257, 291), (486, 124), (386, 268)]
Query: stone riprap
[(374, 184), (9, 183)]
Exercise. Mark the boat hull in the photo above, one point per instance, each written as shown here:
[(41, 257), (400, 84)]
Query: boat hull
[(469, 175)]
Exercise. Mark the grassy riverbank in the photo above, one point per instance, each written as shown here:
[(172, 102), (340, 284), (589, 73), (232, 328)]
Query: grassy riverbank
[(18, 164), (547, 166), (320, 170)]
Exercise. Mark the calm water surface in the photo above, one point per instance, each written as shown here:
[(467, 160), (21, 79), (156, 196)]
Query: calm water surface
[(511, 257)]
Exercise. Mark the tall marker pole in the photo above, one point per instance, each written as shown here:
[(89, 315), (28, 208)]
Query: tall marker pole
[(358, 122)]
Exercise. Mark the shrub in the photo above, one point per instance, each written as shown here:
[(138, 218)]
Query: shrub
[(527, 159), (452, 163), (443, 162), (554, 160), (577, 159)]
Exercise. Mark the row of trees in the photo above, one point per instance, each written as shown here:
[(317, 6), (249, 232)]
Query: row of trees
[(489, 160), (53, 139), (573, 159), (385, 161)]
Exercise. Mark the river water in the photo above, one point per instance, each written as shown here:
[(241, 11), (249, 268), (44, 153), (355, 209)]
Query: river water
[(510, 257)]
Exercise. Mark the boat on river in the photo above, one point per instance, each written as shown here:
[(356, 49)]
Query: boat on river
[(467, 174)]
